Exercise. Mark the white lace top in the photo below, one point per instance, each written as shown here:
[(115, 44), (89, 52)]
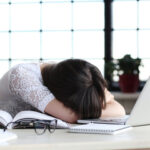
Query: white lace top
[(23, 85)]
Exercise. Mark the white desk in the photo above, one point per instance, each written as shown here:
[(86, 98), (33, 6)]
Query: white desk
[(137, 138)]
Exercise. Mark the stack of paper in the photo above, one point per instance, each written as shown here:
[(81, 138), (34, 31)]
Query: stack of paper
[(6, 136)]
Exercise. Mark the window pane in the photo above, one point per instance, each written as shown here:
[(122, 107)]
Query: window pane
[(145, 71), (56, 0), (124, 14), (56, 45), (25, 45), (56, 16), (124, 42), (4, 67), (88, 15), (144, 11), (4, 1), (99, 63), (88, 0), (25, 16), (4, 45), (89, 44), (4, 17), (144, 44), (53, 60), (24, 1)]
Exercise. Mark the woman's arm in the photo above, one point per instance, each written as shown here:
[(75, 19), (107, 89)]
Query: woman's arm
[(58, 110), (113, 108)]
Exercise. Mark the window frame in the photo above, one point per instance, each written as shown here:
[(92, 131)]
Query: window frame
[(108, 29)]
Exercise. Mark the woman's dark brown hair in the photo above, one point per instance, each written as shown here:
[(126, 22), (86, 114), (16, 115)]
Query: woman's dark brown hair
[(78, 84)]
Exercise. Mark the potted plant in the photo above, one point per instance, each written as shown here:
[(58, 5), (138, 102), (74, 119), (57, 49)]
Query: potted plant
[(128, 71)]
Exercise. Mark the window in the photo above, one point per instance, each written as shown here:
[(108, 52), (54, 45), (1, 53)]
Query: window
[(131, 31), (51, 30), (54, 30)]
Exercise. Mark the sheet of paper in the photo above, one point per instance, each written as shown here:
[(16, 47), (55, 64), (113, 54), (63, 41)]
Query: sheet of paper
[(6, 136)]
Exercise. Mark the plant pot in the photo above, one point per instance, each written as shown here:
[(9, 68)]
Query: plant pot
[(128, 83)]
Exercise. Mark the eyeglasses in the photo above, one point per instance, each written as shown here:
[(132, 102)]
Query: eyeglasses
[(39, 126)]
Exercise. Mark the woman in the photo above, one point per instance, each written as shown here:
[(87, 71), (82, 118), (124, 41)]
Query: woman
[(69, 90)]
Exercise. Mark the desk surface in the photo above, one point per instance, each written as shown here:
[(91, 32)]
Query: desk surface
[(126, 96), (136, 138)]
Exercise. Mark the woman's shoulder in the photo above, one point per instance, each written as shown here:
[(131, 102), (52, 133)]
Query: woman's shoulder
[(24, 74), (25, 70), (26, 65), (29, 67)]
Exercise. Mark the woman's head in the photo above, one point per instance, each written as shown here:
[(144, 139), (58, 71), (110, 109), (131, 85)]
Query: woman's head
[(78, 84)]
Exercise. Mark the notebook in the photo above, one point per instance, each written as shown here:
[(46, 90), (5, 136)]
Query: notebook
[(116, 120), (6, 136), (99, 128)]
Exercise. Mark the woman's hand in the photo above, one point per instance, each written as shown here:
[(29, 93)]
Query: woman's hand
[(113, 108)]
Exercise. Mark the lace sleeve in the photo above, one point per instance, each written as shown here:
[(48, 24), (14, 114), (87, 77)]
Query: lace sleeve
[(25, 85)]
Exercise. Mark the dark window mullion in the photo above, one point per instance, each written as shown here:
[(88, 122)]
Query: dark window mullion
[(108, 34)]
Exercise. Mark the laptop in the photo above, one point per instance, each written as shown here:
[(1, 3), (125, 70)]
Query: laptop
[(138, 116)]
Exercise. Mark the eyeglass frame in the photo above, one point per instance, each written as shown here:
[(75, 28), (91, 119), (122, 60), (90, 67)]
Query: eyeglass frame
[(47, 125)]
